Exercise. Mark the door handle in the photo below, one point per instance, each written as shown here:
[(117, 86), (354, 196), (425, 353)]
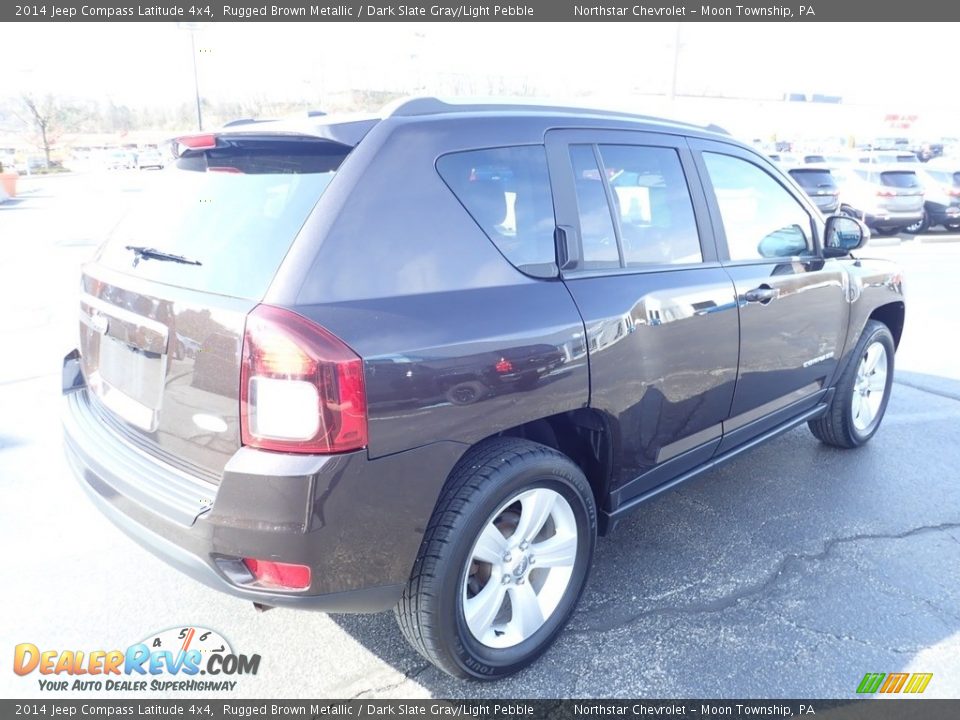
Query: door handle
[(763, 294)]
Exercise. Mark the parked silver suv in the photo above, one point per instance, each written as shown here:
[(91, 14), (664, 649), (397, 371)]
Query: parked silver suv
[(888, 198)]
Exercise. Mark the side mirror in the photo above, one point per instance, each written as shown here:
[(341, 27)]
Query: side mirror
[(843, 235)]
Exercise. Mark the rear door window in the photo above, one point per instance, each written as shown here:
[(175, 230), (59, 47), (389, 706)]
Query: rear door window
[(233, 212), (507, 193), (652, 205), (599, 239)]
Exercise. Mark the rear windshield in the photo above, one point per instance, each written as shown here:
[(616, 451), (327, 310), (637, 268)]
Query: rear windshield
[(234, 210), (895, 178), (814, 179), (900, 179)]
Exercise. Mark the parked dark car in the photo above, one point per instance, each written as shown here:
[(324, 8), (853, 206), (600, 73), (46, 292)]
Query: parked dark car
[(267, 390), (817, 182)]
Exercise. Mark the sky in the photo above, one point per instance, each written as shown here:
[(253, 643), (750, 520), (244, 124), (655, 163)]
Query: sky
[(151, 62)]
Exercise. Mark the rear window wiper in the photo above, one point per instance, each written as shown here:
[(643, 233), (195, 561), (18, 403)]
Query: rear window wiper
[(142, 252)]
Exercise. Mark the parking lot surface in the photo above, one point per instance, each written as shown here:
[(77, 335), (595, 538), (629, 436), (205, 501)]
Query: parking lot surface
[(789, 572)]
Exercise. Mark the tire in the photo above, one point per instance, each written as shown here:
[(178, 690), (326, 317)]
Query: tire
[(467, 392), (953, 227), (489, 490), (850, 422), (921, 226)]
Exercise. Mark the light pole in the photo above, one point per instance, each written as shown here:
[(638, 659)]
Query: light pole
[(676, 63), (192, 28)]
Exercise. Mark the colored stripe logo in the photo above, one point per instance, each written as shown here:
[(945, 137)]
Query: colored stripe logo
[(894, 683)]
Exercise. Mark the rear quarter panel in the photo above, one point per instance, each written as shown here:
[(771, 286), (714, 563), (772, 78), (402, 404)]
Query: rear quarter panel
[(393, 265)]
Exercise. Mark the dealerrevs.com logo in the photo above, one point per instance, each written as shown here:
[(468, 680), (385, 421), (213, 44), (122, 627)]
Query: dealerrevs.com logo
[(171, 660)]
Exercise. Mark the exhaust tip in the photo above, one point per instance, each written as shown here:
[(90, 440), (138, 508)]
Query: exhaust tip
[(261, 608)]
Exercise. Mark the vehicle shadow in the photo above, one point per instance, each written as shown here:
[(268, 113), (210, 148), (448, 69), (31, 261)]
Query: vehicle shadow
[(13, 203), (761, 578)]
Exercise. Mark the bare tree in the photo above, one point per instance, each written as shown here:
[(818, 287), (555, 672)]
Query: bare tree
[(49, 117)]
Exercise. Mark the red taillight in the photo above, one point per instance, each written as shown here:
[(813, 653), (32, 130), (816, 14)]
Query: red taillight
[(504, 366), (301, 388), (271, 574), (198, 142), (954, 192), (887, 193)]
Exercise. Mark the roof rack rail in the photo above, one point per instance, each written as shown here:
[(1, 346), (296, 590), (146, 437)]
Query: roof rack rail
[(415, 106)]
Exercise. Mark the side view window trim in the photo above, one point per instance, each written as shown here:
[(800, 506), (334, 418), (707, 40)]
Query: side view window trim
[(611, 204), (625, 266)]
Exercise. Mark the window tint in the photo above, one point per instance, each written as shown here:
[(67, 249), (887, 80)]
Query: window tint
[(507, 192), (234, 210), (813, 180), (596, 225), (900, 179), (653, 205), (760, 218)]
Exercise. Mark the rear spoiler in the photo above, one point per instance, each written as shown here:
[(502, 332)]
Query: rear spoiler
[(348, 133)]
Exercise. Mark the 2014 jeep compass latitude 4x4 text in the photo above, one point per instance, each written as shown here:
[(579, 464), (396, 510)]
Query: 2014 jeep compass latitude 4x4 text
[(421, 360)]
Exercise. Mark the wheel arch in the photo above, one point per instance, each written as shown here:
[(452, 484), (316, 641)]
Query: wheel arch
[(586, 435), (892, 315)]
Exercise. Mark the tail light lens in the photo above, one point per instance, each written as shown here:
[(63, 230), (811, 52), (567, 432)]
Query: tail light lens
[(954, 192), (301, 387), (887, 193), (270, 574)]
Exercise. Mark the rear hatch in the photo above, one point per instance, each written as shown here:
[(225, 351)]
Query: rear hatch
[(898, 191), (819, 184), (164, 302), (941, 186)]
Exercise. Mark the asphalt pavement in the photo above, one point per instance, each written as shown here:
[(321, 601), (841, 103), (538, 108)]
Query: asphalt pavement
[(790, 572)]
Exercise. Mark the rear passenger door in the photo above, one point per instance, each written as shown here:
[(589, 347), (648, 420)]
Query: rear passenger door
[(792, 302), (638, 257)]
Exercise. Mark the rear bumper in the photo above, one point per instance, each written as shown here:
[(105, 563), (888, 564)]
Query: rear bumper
[(943, 214), (827, 206), (356, 523), (884, 219)]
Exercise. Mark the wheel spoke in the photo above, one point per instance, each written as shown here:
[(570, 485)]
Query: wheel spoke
[(525, 605), (491, 545), (536, 506), (857, 406), (481, 609), (877, 382), (866, 411), (557, 551), (870, 359)]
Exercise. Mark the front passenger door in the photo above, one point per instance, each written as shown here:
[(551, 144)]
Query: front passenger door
[(792, 302)]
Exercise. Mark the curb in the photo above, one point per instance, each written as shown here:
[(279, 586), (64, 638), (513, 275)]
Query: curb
[(938, 239), (884, 241)]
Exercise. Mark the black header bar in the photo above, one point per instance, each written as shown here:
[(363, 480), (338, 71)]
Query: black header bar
[(481, 11)]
